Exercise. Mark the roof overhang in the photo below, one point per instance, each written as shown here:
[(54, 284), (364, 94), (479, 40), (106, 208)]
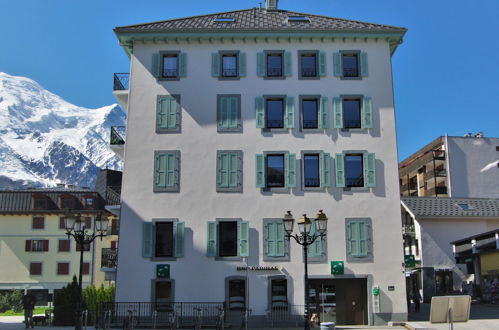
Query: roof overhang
[(127, 38)]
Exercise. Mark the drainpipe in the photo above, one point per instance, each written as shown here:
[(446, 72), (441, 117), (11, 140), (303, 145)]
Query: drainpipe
[(92, 277), (447, 165)]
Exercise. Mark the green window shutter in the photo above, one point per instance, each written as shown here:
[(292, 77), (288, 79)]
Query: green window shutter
[(353, 238), (337, 65), (147, 232), (260, 170), (242, 64), (172, 112), (270, 239), (280, 239), (322, 64), (233, 168), (222, 170), (182, 72), (234, 113), (325, 169), (363, 239), (315, 249), (260, 112), (215, 65), (178, 230), (339, 170), (243, 227), (288, 69), (223, 112), (171, 168), (155, 65), (338, 112), (289, 121), (211, 239), (369, 169), (290, 170), (363, 65), (260, 65), (160, 164), (367, 117), (324, 113), (162, 113)]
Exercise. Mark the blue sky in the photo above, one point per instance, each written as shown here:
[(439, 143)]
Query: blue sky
[(445, 73)]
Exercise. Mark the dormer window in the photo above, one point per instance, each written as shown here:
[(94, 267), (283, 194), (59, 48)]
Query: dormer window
[(298, 19), (224, 20), (67, 202), (465, 207), (40, 202), (89, 201)]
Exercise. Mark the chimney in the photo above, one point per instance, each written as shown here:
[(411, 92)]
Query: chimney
[(271, 4), (60, 185), (479, 135)]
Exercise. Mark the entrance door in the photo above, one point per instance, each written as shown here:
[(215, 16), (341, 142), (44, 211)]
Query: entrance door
[(343, 301)]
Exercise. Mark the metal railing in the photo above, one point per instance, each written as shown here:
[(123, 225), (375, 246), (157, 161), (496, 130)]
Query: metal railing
[(145, 314), (121, 81), (274, 72), (355, 182), (117, 136), (109, 258), (275, 124), (229, 72), (312, 182), (310, 123), (350, 72), (352, 124), (113, 195), (170, 73), (408, 230), (308, 72), (286, 316)]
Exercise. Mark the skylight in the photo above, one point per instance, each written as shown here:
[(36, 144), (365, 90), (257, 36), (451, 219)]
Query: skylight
[(466, 207), (224, 20), (298, 19)]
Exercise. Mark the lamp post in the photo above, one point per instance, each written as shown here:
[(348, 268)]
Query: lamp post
[(75, 227), (304, 238)]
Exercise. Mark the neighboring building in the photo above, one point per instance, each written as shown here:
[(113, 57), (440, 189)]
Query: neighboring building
[(430, 224), (236, 117), (453, 166), (35, 252)]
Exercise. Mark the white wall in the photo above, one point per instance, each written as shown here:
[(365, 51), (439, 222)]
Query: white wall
[(473, 167), (199, 278)]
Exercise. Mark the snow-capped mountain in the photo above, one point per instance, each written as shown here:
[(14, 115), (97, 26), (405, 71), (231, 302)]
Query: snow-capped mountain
[(45, 140)]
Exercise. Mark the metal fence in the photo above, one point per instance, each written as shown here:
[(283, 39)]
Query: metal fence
[(120, 82)]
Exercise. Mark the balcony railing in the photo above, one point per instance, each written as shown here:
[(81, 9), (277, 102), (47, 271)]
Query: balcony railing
[(275, 123), (113, 195), (308, 73), (170, 73), (117, 135), (350, 72), (352, 124), (310, 124), (355, 182), (436, 191), (274, 72), (229, 72), (121, 81), (312, 182), (408, 230), (109, 258)]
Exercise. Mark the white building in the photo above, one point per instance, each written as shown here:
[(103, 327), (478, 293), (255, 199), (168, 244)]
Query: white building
[(453, 166), (235, 118)]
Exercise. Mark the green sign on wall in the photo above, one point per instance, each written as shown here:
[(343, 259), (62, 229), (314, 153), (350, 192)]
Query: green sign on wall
[(410, 261), (337, 267), (162, 271)]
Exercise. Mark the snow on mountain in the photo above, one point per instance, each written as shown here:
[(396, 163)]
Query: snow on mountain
[(45, 140)]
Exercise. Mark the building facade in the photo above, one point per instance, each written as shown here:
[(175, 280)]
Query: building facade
[(430, 224), (35, 253), (235, 118), (453, 166)]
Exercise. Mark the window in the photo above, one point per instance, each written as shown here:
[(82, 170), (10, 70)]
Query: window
[(278, 292), (317, 250), (314, 112), (64, 245), (163, 238), (85, 269), (465, 207), (274, 64), (298, 19), (67, 202), (355, 169), (89, 202), (236, 292), (276, 170), (167, 171), (35, 268), (228, 65), (316, 170), (163, 292), (63, 268), (40, 203), (228, 238), (169, 65), (312, 64), (352, 112), (359, 243), (37, 245), (224, 20), (275, 112), (38, 223), (229, 113), (168, 112), (229, 171), (350, 64), (275, 246)]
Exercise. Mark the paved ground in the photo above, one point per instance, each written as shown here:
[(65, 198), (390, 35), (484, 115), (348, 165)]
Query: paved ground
[(482, 317)]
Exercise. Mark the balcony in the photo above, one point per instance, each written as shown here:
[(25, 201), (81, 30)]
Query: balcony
[(408, 230), (109, 259), (120, 88), (117, 140), (436, 191)]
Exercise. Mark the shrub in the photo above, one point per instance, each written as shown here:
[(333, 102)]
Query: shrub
[(66, 302), (11, 300)]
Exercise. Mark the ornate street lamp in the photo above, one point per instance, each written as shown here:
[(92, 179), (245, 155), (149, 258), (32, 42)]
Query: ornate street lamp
[(304, 238), (75, 227)]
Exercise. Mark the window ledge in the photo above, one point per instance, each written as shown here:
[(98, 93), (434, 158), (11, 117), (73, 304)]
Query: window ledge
[(313, 130), (277, 190), (276, 259), (309, 78), (229, 130), (355, 130), (229, 78), (351, 78), (169, 79), (228, 258), (164, 259), (313, 188), (168, 130), (359, 189), (229, 190), (367, 259), (276, 130), (166, 190), (274, 78)]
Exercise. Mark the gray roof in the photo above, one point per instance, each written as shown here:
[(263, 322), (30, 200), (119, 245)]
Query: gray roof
[(21, 201), (448, 207), (259, 20)]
